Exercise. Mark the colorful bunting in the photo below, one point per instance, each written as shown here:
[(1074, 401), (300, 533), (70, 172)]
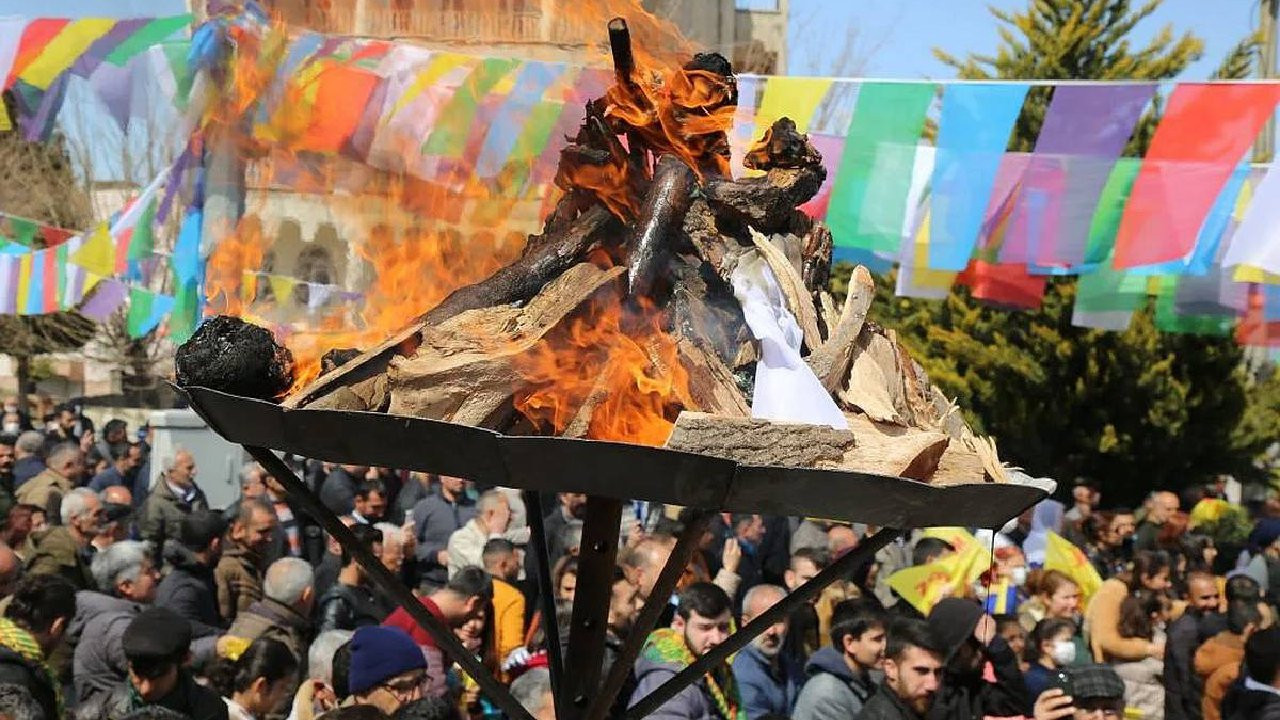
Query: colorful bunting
[(972, 136), (1205, 131)]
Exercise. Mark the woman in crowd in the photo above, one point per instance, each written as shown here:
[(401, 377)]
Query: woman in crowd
[(1050, 648), (1142, 617), (565, 578), (256, 682), (1102, 619)]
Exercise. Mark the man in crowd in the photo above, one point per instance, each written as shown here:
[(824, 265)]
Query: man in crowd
[(338, 493), (64, 549), (6, 473), (571, 509), (500, 561), (969, 640), (643, 564), (39, 612), (370, 503), (174, 497), (157, 646), (703, 620), (1161, 507), (188, 589), (842, 677), (803, 626), (463, 598), (117, 517), (68, 426), (28, 458), (913, 662), (284, 612), (1183, 686), (768, 681), (493, 517), (436, 519), (387, 669), (1259, 697), (128, 578), (64, 468), (352, 603), (316, 694), (1111, 555), (1094, 689), (623, 602), (238, 574), (123, 469)]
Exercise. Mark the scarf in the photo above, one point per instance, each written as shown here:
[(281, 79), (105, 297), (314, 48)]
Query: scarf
[(23, 643), (667, 646)]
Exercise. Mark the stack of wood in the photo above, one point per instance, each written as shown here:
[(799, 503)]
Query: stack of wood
[(677, 233)]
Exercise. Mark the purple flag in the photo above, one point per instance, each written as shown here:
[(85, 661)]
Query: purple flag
[(92, 59), (108, 295), (1085, 129)]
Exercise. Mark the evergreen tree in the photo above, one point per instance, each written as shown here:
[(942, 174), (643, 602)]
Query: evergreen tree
[(1132, 410)]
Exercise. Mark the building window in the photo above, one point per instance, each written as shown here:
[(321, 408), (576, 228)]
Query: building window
[(315, 265)]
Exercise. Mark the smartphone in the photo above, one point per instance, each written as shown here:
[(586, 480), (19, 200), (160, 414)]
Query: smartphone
[(1062, 680)]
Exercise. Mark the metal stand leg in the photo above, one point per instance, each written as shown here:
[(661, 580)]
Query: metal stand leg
[(662, 589), (546, 593), (735, 642), (596, 562), (388, 583)]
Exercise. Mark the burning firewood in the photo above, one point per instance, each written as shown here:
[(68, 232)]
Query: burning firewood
[(620, 320)]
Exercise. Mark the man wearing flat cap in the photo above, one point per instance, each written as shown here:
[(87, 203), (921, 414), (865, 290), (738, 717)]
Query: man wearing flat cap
[(1084, 692), (157, 646)]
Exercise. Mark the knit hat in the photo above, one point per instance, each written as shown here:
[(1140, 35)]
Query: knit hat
[(379, 654), (952, 622), (1264, 534)]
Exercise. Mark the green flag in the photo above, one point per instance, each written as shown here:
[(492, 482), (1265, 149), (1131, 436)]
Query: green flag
[(869, 195), (142, 241), (453, 128)]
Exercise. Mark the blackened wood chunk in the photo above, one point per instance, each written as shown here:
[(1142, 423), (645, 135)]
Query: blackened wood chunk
[(232, 356), (337, 357)]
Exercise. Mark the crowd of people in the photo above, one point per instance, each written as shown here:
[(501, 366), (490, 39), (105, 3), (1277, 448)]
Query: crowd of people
[(125, 598)]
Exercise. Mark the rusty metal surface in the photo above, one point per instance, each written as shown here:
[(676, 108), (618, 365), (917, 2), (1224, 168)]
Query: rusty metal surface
[(616, 470)]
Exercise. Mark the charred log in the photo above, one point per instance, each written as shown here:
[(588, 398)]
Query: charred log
[(232, 356), (660, 216)]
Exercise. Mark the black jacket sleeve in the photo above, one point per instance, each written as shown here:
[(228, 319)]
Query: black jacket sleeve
[(1007, 696)]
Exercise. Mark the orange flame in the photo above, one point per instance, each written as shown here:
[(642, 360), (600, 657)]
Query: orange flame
[(614, 362)]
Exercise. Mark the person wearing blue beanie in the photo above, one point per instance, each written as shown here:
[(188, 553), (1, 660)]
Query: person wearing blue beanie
[(388, 668)]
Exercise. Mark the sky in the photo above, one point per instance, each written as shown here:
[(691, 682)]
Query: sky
[(895, 38)]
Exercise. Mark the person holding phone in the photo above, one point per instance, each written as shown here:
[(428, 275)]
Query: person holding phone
[(1083, 692)]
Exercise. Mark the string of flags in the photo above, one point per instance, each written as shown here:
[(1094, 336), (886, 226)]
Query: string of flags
[(1191, 223)]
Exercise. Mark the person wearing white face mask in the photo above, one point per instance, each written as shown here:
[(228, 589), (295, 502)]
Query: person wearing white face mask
[(1049, 649)]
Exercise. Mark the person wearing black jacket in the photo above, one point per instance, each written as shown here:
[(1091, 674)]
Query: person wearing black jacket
[(351, 603), (968, 638), (1183, 686), (913, 663), (189, 589), (1257, 695), (38, 614)]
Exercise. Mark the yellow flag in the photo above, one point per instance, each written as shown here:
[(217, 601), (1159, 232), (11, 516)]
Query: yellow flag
[(63, 50), (959, 538), (921, 274), (1061, 555), (924, 585), (98, 253), (793, 97), (281, 288)]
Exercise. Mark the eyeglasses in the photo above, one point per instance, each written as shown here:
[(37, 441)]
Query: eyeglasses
[(406, 686)]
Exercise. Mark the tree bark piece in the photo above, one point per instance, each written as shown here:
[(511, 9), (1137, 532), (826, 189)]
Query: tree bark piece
[(874, 385), (661, 214), (799, 301), (767, 203), (464, 370), (830, 362), (867, 446), (759, 442)]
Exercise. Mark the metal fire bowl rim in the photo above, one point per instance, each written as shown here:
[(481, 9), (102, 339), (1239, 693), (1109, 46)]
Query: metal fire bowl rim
[(611, 469)]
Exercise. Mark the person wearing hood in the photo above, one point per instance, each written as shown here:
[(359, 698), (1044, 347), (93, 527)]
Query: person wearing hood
[(913, 662), (128, 579), (843, 676), (1258, 697), (702, 622), (768, 680), (189, 589), (969, 640), (239, 571)]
